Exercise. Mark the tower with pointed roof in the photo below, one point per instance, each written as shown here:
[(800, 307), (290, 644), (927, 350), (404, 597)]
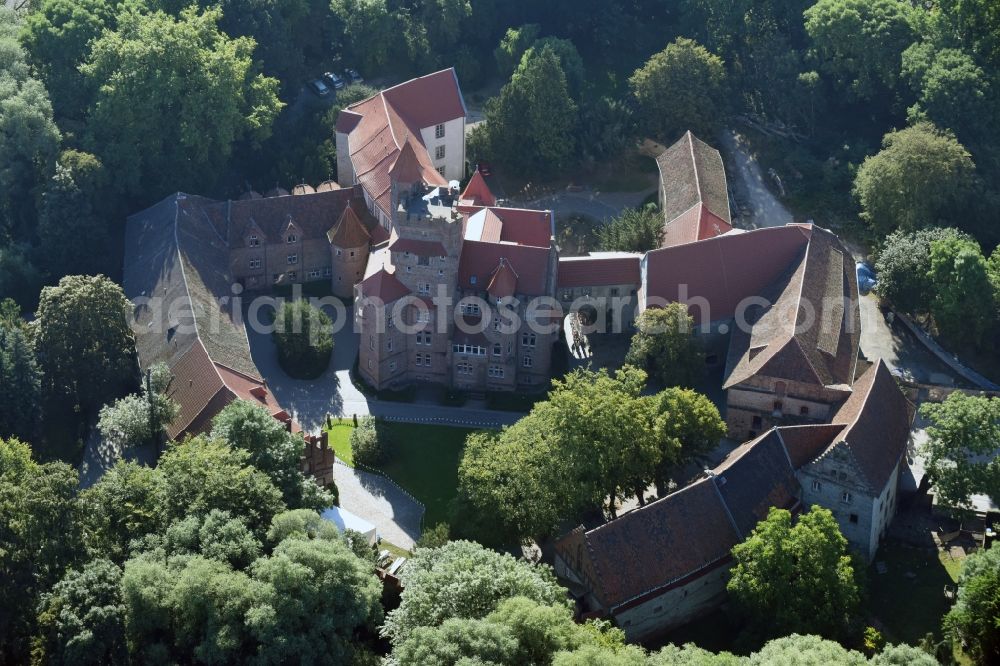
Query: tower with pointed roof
[(349, 243)]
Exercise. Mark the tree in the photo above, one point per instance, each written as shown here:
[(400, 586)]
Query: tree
[(972, 621), (304, 337), (691, 426), (368, 31), (960, 447), (39, 539), (273, 450), (463, 580), (19, 279), (665, 345), (68, 213), (916, 180), (86, 350), (952, 91), (201, 474), (674, 86), (795, 578), (20, 382), (58, 35), (806, 649), (530, 126), (30, 136), (962, 302), (903, 267), (635, 230), (860, 42), (122, 507), (690, 654), (370, 444), (173, 95), (515, 42), (140, 418), (455, 641), (82, 619), (317, 595)]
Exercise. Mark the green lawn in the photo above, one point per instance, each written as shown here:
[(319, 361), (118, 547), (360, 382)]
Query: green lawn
[(340, 440), (424, 461), (911, 605)]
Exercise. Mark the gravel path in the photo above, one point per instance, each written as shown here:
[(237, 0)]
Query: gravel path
[(748, 182), (395, 514)]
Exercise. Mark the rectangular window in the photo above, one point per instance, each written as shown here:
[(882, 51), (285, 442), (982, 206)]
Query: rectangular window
[(423, 261), (423, 316), (392, 366), (352, 253), (326, 272), (423, 338), (854, 518), (846, 497), (370, 364), (439, 153), (464, 368), (567, 295), (817, 486), (496, 371), (314, 274), (440, 170), (496, 349), (420, 359), (292, 275), (614, 291), (439, 131), (471, 309), (388, 345), (254, 241), (528, 339), (255, 262), (339, 252), (293, 259), (423, 287), (291, 239), (472, 350), (528, 362), (371, 342), (803, 411)]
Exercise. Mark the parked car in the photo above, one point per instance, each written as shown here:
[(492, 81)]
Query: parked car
[(333, 80), (866, 277), (353, 76), (319, 87)]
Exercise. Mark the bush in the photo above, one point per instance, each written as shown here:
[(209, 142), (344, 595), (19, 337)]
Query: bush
[(369, 443), (304, 337)]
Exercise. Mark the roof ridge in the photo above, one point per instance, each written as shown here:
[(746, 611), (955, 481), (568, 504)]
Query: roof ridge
[(729, 514), (694, 167), (218, 376)]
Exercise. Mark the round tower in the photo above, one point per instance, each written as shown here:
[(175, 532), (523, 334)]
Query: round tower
[(349, 241)]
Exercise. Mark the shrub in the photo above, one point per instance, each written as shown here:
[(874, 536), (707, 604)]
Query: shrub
[(369, 443), (304, 337)]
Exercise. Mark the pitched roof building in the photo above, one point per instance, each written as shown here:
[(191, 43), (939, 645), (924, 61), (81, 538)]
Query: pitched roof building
[(693, 194)]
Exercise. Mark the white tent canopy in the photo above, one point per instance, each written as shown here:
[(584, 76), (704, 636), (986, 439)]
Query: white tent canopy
[(345, 520)]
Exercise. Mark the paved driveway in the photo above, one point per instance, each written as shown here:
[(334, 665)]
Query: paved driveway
[(598, 205), (310, 400), (749, 184), (394, 513)]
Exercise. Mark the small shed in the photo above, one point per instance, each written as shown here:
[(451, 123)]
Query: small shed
[(345, 520)]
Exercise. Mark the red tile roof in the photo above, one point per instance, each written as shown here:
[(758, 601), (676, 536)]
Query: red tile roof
[(877, 419), (811, 331), (479, 260), (383, 285), (723, 270), (693, 192), (525, 227), (598, 271), (805, 443), (503, 281), (379, 127), (477, 193)]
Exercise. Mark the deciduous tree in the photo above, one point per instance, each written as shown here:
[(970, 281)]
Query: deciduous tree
[(683, 87), (795, 577), (918, 179), (635, 230), (961, 442), (903, 267), (973, 618), (304, 336), (20, 382), (665, 345), (962, 303)]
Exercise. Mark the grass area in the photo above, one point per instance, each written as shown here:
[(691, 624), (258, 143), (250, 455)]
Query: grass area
[(340, 440), (909, 598), (424, 461)]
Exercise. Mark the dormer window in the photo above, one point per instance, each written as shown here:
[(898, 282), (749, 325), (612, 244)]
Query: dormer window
[(292, 238), (253, 241)]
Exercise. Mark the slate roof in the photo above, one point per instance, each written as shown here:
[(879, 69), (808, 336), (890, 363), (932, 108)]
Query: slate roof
[(658, 544), (349, 231), (380, 127), (805, 443), (177, 254), (312, 214), (723, 270), (423, 248), (682, 534), (811, 331), (694, 194), (599, 271)]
